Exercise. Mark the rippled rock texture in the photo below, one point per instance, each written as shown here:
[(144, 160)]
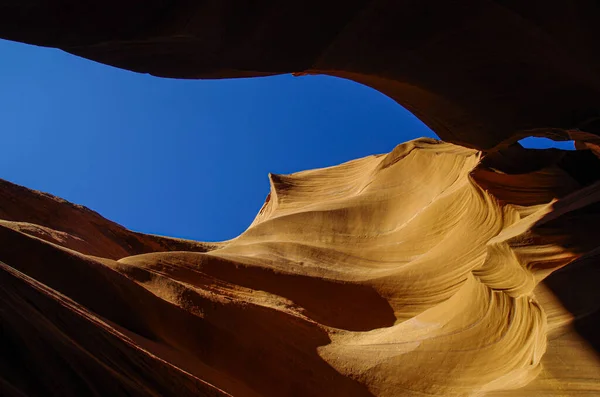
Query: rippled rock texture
[(432, 270)]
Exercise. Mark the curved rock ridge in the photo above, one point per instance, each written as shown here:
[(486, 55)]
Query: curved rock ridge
[(432, 270), (477, 72)]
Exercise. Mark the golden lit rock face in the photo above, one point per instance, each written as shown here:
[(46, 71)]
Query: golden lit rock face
[(434, 269)]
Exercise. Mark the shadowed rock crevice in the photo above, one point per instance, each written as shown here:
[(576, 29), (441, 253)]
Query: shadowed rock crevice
[(378, 276), (322, 300), (479, 264)]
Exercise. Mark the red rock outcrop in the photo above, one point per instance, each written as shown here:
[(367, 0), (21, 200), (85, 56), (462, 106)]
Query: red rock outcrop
[(434, 269)]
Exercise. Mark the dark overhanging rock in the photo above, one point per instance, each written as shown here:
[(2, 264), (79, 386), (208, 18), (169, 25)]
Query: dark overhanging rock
[(478, 72)]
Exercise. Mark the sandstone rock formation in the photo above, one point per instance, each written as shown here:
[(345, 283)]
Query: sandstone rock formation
[(478, 72), (434, 269)]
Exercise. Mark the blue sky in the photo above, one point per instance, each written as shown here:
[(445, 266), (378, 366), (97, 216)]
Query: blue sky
[(185, 158)]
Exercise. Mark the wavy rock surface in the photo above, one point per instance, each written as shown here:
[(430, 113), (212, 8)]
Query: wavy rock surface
[(431, 270)]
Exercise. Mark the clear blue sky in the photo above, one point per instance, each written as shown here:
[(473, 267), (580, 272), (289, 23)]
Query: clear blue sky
[(184, 158)]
